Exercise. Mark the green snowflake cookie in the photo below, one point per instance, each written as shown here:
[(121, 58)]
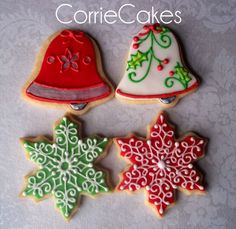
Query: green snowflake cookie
[(66, 166)]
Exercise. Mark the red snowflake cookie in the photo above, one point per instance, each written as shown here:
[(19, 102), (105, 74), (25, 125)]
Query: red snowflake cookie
[(161, 164)]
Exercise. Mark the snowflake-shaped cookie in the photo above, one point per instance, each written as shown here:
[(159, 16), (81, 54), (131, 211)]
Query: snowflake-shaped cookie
[(161, 164), (66, 166)]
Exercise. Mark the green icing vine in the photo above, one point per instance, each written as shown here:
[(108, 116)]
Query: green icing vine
[(139, 57), (66, 167), (181, 75)]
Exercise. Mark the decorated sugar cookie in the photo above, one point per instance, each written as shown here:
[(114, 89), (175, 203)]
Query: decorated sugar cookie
[(155, 71), (69, 71), (161, 164), (66, 167)]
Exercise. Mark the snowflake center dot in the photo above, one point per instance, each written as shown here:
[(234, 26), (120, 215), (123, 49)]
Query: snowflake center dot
[(161, 164), (64, 166)]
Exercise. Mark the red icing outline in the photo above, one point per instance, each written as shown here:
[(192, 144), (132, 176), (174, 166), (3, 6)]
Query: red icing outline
[(195, 85)]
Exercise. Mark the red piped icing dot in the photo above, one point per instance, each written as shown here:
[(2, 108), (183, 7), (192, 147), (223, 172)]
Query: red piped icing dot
[(146, 27), (171, 73), (136, 38), (166, 61), (159, 67), (156, 25), (135, 46)]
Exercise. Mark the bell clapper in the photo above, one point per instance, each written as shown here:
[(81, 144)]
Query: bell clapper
[(168, 100), (78, 106)]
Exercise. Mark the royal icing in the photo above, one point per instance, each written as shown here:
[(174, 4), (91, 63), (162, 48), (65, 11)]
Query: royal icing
[(68, 72), (66, 167), (154, 67), (161, 164)]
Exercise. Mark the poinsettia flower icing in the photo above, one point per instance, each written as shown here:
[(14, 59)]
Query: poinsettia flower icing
[(161, 164)]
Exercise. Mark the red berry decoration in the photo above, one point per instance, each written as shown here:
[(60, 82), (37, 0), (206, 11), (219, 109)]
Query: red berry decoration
[(171, 73), (159, 67), (146, 27), (166, 61), (135, 46), (136, 38)]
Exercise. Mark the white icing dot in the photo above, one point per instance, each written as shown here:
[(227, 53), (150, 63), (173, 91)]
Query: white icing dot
[(79, 189), (75, 170), (147, 188), (155, 169), (161, 164), (168, 169), (53, 173), (155, 126), (66, 214), (126, 182), (121, 188), (137, 187), (153, 161), (130, 188), (119, 142), (191, 187), (176, 144), (96, 190), (25, 145), (132, 140), (192, 139), (201, 187), (24, 194), (54, 145), (161, 117), (90, 165), (61, 126), (53, 192), (75, 159), (148, 142), (167, 203), (190, 166), (101, 181), (80, 142), (66, 153), (201, 142), (105, 139), (106, 189), (174, 186), (135, 166), (156, 203), (197, 178), (64, 119), (161, 211), (64, 178)]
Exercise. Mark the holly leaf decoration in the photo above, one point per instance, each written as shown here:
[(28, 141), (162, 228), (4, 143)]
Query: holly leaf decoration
[(161, 164), (137, 59), (66, 167), (182, 73)]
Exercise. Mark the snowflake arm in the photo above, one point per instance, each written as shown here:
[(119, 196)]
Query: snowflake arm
[(40, 184), (40, 152)]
